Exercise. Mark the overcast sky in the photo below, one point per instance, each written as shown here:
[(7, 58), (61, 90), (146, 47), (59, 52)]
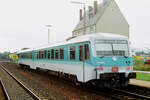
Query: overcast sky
[(22, 22)]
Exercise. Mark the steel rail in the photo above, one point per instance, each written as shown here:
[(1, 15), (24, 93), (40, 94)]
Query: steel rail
[(4, 90), (21, 84), (132, 94)]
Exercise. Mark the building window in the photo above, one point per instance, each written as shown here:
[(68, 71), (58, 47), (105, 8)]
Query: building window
[(87, 52), (91, 29), (48, 54), (56, 53), (72, 53), (61, 53), (52, 53)]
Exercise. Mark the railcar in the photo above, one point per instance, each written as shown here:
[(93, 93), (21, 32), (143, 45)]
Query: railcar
[(102, 59)]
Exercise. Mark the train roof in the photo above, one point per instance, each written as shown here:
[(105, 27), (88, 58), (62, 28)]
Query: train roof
[(80, 39)]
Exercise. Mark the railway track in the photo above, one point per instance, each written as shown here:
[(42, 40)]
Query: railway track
[(130, 94), (3, 92), (16, 89), (120, 94)]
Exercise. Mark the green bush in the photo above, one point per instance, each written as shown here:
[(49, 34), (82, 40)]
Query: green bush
[(139, 65)]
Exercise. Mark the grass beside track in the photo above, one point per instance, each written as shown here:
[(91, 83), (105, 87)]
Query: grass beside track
[(141, 76), (139, 66)]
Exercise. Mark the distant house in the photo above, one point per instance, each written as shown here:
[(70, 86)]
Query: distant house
[(105, 17)]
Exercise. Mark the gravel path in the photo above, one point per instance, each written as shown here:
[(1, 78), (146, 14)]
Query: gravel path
[(15, 91), (140, 83), (49, 87)]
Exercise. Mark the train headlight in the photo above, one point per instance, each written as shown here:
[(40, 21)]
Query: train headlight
[(114, 58), (128, 68), (101, 68)]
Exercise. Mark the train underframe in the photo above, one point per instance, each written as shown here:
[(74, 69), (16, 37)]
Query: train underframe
[(106, 79), (113, 80)]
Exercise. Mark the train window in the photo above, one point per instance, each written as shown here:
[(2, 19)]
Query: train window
[(42, 54), (81, 53), (52, 54), (39, 54), (48, 54), (56, 53), (87, 53), (21, 55), (72, 53), (45, 54), (31, 55), (61, 53)]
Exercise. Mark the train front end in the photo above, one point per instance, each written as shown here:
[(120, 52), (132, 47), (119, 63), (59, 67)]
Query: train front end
[(113, 61)]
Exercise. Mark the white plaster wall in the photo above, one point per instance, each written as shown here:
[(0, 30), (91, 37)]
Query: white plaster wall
[(113, 21), (88, 31)]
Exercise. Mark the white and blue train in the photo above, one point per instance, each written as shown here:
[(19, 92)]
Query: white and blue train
[(103, 59)]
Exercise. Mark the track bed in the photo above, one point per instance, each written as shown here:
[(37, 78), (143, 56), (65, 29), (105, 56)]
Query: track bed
[(54, 88), (15, 89)]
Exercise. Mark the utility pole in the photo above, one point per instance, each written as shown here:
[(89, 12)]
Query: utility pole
[(84, 21)]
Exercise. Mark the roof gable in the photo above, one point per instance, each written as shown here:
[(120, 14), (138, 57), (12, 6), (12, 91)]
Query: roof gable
[(91, 21)]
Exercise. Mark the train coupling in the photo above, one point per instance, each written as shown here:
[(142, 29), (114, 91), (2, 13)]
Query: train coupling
[(132, 75)]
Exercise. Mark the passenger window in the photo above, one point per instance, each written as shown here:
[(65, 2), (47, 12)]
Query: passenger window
[(87, 52), (42, 54), (61, 53), (72, 53), (39, 54), (56, 53), (81, 53), (52, 54), (48, 54), (31, 55), (45, 54)]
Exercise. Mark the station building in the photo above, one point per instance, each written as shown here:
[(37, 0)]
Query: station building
[(105, 17)]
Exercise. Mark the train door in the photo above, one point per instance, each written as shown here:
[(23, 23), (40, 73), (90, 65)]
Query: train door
[(33, 59), (84, 56), (81, 58)]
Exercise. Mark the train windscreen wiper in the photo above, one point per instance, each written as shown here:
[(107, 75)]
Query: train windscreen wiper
[(126, 56), (101, 56), (112, 49)]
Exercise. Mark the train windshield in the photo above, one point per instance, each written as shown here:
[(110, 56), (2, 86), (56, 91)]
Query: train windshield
[(112, 48)]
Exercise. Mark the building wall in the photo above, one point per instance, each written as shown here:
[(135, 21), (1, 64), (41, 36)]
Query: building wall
[(89, 30), (113, 21)]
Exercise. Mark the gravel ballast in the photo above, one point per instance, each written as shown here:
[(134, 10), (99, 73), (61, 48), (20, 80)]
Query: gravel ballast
[(50, 87)]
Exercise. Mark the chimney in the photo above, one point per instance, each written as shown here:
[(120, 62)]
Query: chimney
[(95, 7), (80, 14)]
